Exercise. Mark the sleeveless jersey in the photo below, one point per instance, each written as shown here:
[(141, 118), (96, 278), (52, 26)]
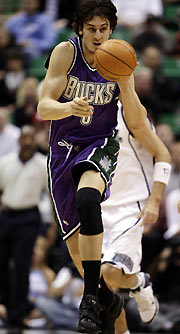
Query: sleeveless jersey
[(83, 80), (133, 177)]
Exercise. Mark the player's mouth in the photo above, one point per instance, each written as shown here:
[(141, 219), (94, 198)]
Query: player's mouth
[(97, 44)]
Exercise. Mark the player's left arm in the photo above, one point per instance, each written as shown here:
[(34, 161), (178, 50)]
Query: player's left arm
[(136, 118)]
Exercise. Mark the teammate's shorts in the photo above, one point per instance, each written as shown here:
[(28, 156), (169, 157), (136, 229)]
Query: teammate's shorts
[(122, 237), (66, 164)]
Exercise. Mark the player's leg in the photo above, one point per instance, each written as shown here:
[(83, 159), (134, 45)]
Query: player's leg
[(140, 288), (73, 248), (121, 324), (89, 193), (111, 304), (122, 257)]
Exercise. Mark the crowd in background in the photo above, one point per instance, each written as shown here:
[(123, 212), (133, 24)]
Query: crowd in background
[(29, 29)]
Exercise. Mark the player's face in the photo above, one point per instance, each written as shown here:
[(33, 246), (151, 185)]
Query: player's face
[(94, 33)]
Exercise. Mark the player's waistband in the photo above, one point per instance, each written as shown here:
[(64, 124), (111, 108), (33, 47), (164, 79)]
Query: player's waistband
[(76, 146)]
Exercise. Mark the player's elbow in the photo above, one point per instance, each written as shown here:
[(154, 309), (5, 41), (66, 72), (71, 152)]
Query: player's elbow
[(138, 121), (41, 110)]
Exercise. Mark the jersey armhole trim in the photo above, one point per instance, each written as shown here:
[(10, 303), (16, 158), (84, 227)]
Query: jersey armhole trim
[(75, 55)]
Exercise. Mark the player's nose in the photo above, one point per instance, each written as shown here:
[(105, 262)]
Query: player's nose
[(97, 35)]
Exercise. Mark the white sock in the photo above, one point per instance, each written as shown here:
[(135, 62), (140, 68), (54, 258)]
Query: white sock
[(140, 282), (126, 332)]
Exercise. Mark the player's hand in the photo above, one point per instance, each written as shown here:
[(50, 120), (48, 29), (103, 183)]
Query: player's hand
[(80, 107), (123, 82), (150, 212)]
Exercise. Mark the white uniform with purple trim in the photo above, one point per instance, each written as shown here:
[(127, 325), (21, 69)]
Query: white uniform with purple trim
[(130, 190)]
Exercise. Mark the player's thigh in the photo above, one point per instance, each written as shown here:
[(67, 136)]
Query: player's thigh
[(92, 179)]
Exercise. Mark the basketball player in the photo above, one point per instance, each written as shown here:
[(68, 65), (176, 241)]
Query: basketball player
[(82, 107), (134, 200)]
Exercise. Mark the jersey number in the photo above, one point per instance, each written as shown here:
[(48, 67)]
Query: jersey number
[(86, 120)]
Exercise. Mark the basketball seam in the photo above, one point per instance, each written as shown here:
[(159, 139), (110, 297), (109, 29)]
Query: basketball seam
[(115, 57), (118, 75), (131, 49)]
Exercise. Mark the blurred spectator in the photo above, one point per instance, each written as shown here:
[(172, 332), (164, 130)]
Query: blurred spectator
[(6, 43), (26, 102), (9, 134), (176, 45), (152, 57), (12, 73), (32, 30), (166, 285), (165, 133), (144, 89), (132, 14), (59, 11), (23, 177), (152, 33), (174, 181), (173, 217), (42, 136), (62, 303), (40, 280), (15, 72), (56, 297), (41, 275)]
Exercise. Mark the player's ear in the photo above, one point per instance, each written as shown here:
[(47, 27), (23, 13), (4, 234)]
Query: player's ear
[(80, 31), (110, 33)]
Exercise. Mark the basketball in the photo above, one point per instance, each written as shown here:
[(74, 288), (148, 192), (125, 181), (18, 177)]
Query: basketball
[(115, 59)]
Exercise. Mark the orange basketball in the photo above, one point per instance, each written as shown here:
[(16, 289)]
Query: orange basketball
[(115, 58)]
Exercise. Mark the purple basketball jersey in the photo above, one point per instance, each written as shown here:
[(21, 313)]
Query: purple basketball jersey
[(83, 80)]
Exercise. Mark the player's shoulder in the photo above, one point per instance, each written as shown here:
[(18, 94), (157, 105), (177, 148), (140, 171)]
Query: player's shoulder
[(62, 52), (65, 46)]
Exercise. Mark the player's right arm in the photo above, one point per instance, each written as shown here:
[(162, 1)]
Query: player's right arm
[(136, 118), (49, 108)]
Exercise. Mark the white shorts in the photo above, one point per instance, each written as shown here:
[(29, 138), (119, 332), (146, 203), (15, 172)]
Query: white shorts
[(122, 236)]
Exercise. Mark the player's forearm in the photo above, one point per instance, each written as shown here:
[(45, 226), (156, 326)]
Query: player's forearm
[(49, 109), (157, 192), (134, 111)]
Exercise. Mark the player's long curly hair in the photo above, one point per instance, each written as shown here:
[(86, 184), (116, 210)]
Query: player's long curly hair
[(87, 9)]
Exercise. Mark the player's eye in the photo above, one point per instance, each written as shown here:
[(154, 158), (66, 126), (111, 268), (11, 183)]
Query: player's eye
[(103, 29), (92, 30)]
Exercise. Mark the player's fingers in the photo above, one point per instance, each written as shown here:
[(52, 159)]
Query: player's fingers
[(84, 108), (82, 102), (82, 113)]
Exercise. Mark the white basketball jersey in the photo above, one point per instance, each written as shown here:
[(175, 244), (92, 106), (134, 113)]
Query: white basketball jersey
[(133, 177)]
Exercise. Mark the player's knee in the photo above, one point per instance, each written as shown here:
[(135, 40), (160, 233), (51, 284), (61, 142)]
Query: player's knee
[(89, 210), (112, 275)]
